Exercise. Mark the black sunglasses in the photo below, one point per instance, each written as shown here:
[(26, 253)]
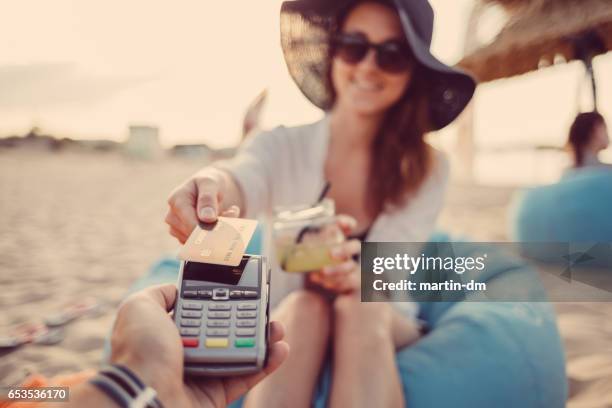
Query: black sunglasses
[(391, 56)]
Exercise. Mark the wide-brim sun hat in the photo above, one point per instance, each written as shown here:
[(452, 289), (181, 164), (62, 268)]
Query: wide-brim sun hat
[(306, 30)]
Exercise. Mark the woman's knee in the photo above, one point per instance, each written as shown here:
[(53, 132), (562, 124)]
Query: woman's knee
[(371, 318)]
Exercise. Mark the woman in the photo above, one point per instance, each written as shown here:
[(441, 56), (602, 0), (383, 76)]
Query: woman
[(368, 65), (587, 137)]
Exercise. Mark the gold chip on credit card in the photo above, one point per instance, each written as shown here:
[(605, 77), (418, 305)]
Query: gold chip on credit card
[(221, 243)]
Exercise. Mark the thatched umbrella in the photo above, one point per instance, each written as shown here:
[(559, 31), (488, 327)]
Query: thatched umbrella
[(542, 32)]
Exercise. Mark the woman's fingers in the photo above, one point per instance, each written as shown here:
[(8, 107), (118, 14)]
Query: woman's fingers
[(233, 212), (348, 283), (177, 228), (337, 275), (182, 215), (182, 238), (343, 277), (315, 277), (339, 270), (176, 223), (346, 250), (182, 230), (197, 200), (346, 223)]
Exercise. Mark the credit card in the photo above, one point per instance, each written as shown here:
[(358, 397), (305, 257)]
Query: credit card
[(221, 243)]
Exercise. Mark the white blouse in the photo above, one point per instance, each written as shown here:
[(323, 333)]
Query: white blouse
[(284, 166)]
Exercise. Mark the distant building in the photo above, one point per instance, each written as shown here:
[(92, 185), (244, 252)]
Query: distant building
[(143, 142), (33, 140), (100, 145), (225, 153), (193, 151), (202, 152)]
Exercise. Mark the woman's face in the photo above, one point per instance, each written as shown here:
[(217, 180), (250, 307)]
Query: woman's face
[(600, 139), (364, 87)]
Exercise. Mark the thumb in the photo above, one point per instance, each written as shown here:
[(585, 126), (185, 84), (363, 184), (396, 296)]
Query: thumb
[(208, 200)]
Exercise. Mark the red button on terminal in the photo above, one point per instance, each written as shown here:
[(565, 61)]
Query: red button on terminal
[(190, 342)]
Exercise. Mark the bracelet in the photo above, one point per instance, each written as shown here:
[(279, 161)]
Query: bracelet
[(125, 388)]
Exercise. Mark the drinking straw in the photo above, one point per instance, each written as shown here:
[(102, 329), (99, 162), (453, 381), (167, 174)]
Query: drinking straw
[(307, 228), (326, 188)]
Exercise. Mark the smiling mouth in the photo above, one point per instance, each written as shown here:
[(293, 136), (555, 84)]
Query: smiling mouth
[(366, 86)]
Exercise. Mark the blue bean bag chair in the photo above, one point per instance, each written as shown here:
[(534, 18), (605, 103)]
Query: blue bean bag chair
[(476, 354), (487, 354), (576, 209)]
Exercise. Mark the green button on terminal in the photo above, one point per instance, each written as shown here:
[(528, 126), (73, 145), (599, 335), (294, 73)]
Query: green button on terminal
[(244, 342)]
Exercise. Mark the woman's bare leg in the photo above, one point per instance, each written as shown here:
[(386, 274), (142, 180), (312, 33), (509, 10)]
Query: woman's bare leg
[(405, 331), (306, 317), (364, 372)]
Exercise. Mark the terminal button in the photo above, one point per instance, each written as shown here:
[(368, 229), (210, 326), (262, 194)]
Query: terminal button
[(217, 343), (192, 305), (235, 294), (246, 323), (190, 322), (190, 342), (220, 294), (245, 332), (217, 332), (206, 294), (218, 323), (219, 314), (190, 331), (245, 342), (220, 306), (191, 313), (190, 293), (250, 294)]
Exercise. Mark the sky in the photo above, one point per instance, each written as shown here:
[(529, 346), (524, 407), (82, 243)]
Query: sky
[(87, 69)]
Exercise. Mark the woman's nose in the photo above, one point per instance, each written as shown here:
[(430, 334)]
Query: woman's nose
[(369, 61)]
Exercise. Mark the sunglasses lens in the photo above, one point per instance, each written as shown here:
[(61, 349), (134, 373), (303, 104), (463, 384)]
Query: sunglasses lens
[(393, 58), (351, 50)]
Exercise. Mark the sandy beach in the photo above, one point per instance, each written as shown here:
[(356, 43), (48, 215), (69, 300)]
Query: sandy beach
[(88, 224)]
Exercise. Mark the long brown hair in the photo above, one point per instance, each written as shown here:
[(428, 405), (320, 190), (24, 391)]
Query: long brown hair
[(581, 134), (400, 158)]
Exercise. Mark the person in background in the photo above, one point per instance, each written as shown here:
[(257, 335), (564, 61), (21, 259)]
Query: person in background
[(147, 346), (367, 64), (588, 136)]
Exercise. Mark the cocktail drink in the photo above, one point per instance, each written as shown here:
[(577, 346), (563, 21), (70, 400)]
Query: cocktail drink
[(305, 235)]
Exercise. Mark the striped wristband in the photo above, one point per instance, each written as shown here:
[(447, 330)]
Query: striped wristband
[(125, 388)]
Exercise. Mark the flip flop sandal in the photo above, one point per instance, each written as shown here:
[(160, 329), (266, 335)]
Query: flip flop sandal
[(23, 333), (73, 311), (51, 337), (9, 342)]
